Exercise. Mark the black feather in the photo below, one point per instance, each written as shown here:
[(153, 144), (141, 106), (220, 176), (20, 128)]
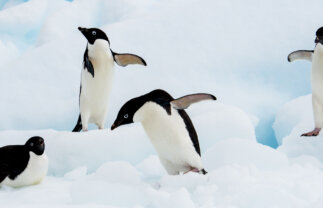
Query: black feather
[(78, 126), (87, 64), (13, 161)]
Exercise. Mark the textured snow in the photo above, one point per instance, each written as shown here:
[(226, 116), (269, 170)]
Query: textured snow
[(295, 118), (235, 50)]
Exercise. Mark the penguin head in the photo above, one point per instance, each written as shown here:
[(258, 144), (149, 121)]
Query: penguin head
[(127, 112), (36, 145), (319, 36), (93, 34)]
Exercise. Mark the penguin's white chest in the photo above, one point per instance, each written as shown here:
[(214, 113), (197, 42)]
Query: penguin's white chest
[(95, 90), (34, 173), (317, 72), (170, 138)]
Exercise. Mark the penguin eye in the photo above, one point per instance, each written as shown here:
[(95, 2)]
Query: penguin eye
[(31, 144), (93, 33), (126, 116)]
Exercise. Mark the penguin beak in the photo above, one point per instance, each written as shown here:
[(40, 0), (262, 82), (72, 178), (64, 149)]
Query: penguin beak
[(83, 30), (316, 40), (113, 126)]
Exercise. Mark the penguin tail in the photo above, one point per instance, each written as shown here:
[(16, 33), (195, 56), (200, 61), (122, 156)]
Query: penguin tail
[(203, 171), (78, 126)]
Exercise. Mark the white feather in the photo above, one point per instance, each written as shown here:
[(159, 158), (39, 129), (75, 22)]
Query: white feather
[(317, 85), (169, 136), (94, 98), (34, 173)]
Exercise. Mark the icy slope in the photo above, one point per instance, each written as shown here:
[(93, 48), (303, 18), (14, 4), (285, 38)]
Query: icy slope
[(68, 150), (120, 169), (295, 118)]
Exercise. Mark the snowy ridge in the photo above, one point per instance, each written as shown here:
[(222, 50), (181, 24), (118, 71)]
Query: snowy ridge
[(120, 169)]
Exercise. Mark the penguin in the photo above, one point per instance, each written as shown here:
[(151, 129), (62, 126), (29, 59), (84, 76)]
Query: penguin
[(168, 127), (316, 57), (97, 77), (23, 165)]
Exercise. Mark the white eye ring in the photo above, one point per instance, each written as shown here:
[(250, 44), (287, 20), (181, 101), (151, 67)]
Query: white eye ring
[(93, 33), (126, 116)]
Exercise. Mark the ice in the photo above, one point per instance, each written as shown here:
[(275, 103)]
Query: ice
[(238, 151), (234, 50), (294, 115), (71, 150), (295, 118)]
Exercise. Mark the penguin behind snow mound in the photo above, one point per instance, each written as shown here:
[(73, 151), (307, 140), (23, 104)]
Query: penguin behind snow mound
[(97, 77), (23, 165), (316, 57), (168, 127)]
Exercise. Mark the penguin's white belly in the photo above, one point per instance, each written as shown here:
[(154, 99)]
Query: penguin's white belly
[(95, 92), (34, 173), (317, 76), (169, 136)]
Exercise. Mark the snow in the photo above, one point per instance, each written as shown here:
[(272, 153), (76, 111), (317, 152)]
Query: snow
[(120, 168), (240, 170), (234, 50), (297, 119)]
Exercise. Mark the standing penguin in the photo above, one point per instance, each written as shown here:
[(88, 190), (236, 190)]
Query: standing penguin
[(97, 77), (168, 127), (23, 165), (316, 57)]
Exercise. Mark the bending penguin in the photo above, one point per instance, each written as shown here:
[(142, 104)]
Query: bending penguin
[(23, 165), (316, 57), (168, 127), (97, 77)]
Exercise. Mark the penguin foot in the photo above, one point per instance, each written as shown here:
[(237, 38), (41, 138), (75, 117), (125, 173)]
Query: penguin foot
[(195, 170), (85, 130), (315, 132)]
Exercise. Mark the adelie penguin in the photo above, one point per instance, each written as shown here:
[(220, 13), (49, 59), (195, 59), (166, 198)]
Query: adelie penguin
[(168, 127), (97, 77), (316, 57), (23, 165)]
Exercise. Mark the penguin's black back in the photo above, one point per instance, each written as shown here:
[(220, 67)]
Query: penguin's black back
[(13, 161)]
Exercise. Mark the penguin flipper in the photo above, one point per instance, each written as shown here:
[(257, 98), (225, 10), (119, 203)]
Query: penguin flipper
[(87, 64), (185, 101), (127, 58), (300, 55), (78, 126)]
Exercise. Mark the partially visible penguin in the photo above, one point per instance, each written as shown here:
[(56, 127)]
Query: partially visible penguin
[(168, 127), (316, 57), (97, 77), (23, 165)]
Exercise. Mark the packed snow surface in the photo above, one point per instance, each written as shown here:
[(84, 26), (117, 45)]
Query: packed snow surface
[(235, 50)]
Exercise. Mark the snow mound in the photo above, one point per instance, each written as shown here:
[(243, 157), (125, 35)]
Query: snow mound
[(293, 119), (232, 182), (294, 116), (68, 150)]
